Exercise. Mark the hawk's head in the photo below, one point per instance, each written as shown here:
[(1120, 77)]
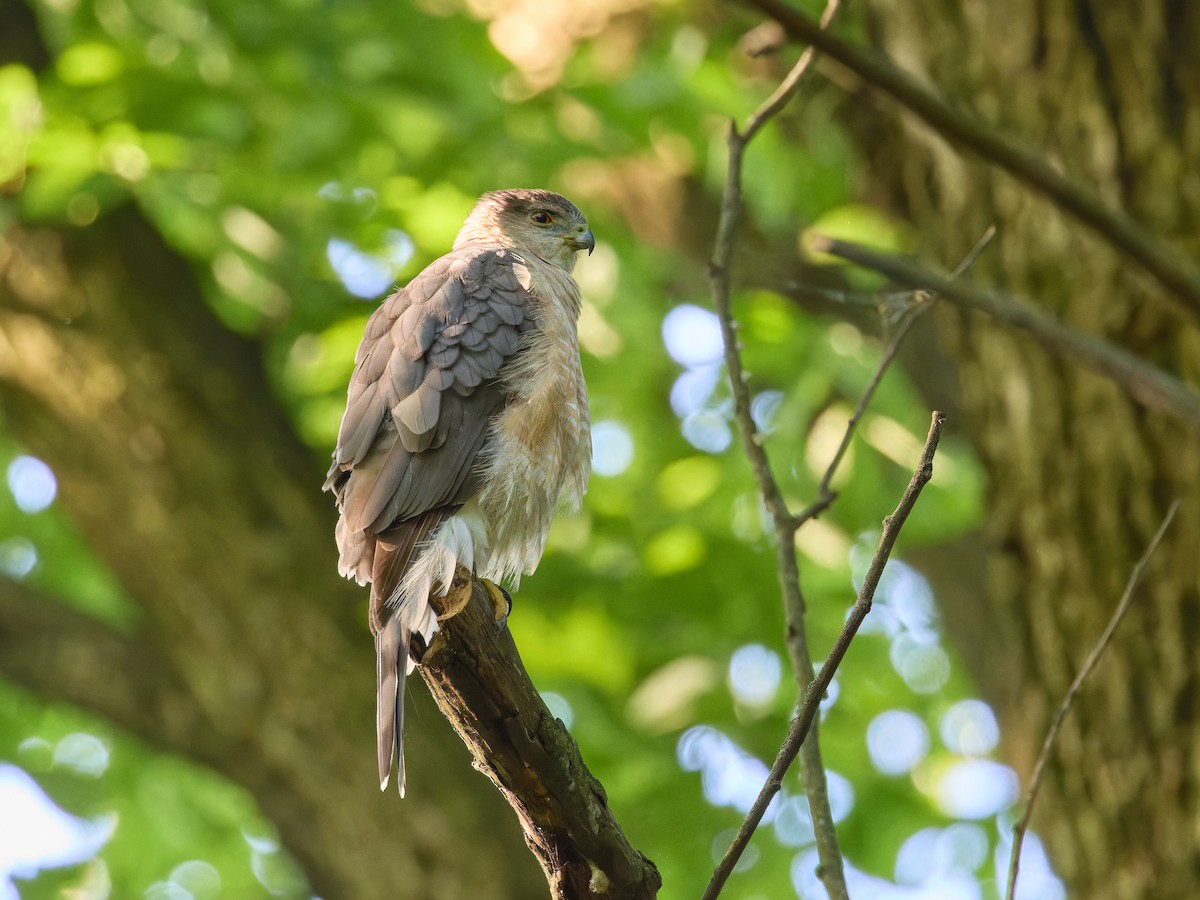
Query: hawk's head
[(534, 221)]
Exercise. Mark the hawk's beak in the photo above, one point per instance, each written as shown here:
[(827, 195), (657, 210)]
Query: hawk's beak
[(587, 239)]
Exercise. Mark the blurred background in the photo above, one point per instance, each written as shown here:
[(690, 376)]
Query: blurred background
[(202, 203)]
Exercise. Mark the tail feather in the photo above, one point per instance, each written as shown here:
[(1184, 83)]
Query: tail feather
[(399, 609), (392, 627), (391, 660)]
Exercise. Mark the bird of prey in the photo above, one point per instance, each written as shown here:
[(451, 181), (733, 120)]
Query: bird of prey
[(466, 426)]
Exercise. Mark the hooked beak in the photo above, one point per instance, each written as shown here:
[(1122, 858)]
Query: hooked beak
[(579, 242)]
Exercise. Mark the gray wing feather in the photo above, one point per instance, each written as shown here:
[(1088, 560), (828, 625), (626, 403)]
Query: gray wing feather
[(417, 415), (423, 395), (400, 376), (355, 440), (443, 355), (414, 331), (504, 341)]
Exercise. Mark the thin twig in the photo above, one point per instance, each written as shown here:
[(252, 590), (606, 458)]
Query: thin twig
[(784, 523), (1148, 385), (816, 690), (825, 494), (973, 253), (1035, 782), (791, 82), (731, 207), (1169, 266)]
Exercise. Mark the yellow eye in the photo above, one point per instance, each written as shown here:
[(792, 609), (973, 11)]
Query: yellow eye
[(542, 217)]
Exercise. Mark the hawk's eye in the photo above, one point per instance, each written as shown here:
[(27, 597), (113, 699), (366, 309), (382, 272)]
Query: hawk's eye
[(542, 217)]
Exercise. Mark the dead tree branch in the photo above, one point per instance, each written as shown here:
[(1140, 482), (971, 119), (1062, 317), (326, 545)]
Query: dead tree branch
[(912, 306), (476, 676)]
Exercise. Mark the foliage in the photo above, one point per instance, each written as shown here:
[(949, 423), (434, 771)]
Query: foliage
[(299, 153)]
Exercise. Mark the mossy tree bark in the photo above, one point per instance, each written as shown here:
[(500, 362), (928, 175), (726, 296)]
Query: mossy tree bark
[(1080, 476)]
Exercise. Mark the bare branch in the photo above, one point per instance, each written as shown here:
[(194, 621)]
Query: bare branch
[(1170, 267), (973, 253), (916, 305), (1035, 781), (1148, 385), (788, 87), (825, 493), (475, 674), (816, 690), (727, 224), (784, 523)]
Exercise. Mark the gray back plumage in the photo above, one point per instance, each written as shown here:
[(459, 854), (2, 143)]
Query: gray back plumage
[(425, 388)]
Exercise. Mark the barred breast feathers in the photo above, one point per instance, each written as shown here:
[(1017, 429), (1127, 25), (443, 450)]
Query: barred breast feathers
[(539, 451)]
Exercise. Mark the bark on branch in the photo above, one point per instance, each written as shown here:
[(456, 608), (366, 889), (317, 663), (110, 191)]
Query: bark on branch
[(478, 680)]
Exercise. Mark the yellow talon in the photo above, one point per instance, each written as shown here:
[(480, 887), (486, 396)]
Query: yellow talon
[(455, 599), (501, 601)]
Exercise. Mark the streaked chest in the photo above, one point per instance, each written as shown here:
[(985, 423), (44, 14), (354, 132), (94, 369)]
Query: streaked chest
[(541, 448)]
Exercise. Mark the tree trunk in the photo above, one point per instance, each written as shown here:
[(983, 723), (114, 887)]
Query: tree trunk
[(1080, 476), (176, 464)]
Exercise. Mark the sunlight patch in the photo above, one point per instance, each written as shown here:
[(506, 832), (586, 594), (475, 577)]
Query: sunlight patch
[(32, 483)]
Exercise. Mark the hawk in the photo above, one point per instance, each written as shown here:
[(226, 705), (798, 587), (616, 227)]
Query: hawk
[(466, 426)]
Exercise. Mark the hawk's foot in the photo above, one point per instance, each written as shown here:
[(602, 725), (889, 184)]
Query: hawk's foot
[(456, 598), (445, 606), (501, 601)]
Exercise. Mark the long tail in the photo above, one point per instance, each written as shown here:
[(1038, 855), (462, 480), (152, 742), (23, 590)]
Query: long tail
[(391, 663), (397, 609)]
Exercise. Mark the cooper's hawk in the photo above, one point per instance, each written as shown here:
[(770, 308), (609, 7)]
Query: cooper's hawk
[(466, 425)]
